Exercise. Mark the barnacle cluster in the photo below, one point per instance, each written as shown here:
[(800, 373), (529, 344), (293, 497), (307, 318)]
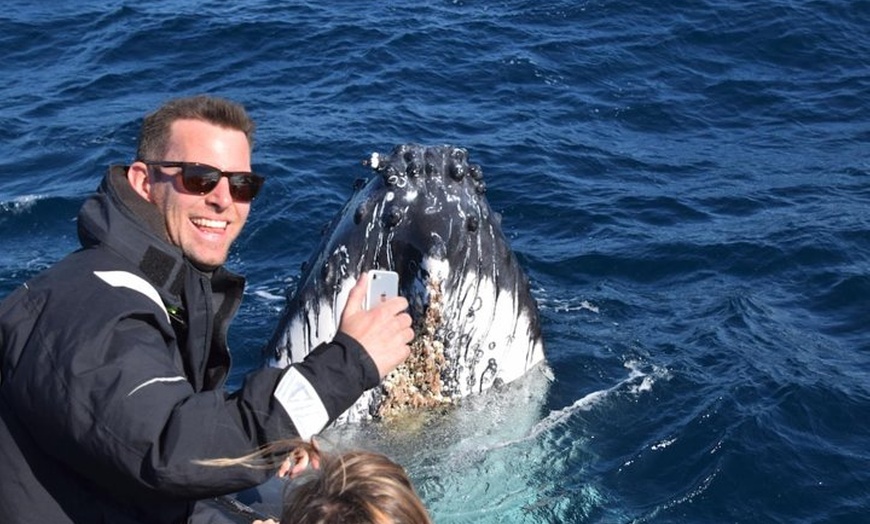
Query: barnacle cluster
[(417, 382)]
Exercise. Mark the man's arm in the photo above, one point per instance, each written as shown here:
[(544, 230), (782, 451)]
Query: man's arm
[(369, 344)]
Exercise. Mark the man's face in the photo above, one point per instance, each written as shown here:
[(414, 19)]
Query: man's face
[(203, 226)]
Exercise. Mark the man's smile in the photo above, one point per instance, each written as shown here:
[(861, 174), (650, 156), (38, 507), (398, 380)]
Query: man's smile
[(206, 223)]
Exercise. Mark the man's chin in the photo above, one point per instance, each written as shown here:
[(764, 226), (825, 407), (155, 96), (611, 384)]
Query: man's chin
[(207, 264)]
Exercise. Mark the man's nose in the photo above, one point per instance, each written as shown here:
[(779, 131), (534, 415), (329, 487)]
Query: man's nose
[(220, 196)]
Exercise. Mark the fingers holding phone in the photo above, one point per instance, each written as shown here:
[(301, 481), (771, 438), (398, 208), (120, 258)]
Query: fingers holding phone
[(376, 316)]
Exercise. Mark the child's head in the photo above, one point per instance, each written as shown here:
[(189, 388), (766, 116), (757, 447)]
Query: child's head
[(357, 487), (354, 487)]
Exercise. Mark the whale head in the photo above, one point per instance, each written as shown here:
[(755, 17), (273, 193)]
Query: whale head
[(423, 213)]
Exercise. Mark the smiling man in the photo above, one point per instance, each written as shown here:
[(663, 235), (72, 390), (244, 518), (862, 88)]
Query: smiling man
[(202, 225), (114, 359)]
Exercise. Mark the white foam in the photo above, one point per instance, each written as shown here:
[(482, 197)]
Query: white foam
[(21, 204)]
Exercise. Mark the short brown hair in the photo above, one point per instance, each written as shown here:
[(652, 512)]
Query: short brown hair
[(154, 135)]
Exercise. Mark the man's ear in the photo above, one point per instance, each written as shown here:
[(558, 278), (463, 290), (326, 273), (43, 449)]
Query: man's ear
[(137, 175)]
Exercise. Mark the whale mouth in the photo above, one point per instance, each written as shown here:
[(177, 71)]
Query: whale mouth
[(424, 214)]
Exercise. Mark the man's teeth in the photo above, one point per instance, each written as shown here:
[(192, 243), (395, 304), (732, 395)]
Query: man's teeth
[(212, 224)]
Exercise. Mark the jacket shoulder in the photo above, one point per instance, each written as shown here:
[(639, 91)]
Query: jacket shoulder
[(96, 283)]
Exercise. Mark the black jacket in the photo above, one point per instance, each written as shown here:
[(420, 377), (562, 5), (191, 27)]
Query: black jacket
[(112, 379)]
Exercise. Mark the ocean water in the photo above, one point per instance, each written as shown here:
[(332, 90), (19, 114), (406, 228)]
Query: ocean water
[(686, 184)]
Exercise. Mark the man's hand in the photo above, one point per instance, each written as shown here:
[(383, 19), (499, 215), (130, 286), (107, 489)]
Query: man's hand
[(384, 331)]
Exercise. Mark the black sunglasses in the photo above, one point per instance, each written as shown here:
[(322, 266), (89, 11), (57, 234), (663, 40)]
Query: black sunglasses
[(203, 178)]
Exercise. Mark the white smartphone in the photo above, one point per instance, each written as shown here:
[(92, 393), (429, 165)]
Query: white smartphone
[(382, 286)]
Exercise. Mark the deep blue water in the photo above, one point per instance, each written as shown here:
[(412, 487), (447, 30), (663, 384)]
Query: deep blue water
[(686, 184)]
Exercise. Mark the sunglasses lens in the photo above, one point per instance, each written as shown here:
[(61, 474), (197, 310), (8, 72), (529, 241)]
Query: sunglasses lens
[(244, 187), (199, 179)]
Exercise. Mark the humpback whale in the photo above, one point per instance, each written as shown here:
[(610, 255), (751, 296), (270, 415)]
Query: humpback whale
[(423, 213)]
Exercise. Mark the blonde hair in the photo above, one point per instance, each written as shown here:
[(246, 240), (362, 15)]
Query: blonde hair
[(354, 487)]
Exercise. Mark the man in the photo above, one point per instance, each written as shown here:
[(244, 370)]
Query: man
[(114, 360)]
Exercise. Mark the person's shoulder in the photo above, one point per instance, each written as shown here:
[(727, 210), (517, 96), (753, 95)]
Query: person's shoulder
[(96, 280), (77, 267)]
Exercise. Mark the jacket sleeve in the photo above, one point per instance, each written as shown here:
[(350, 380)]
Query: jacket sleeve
[(330, 379), (103, 390), (115, 406)]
